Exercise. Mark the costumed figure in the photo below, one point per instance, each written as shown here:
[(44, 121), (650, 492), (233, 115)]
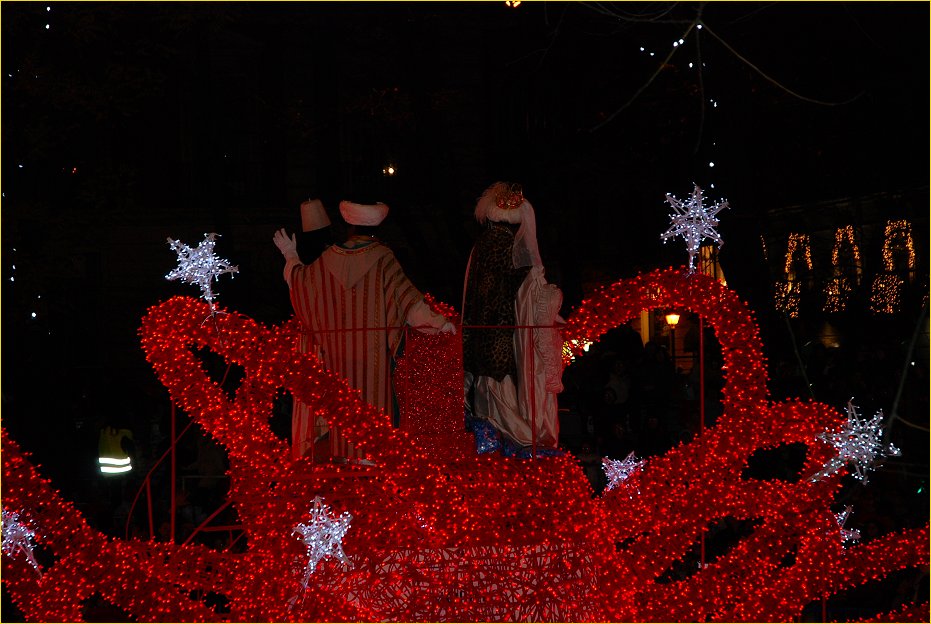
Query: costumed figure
[(354, 302), (512, 372), (307, 429)]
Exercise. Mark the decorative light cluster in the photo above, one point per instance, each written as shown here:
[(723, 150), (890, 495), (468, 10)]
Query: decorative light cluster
[(786, 297), (889, 287), (693, 479), (323, 536), (787, 292), (851, 535), (618, 470), (442, 534), (845, 258), (858, 442), (898, 239), (693, 221), (200, 266), (799, 245), (569, 349), (836, 294), (18, 538), (845, 240), (886, 296)]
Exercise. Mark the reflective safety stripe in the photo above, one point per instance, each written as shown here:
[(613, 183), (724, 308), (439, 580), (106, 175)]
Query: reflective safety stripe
[(115, 469), (114, 465), (114, 461)]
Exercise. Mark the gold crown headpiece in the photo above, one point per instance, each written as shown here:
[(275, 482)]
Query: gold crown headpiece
[(509, 196)]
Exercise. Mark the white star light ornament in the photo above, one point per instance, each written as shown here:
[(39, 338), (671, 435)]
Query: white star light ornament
[(323, 536), (859, 442), (618, 470), (200, 266), (18, 538), (693, 221), (852, 535)]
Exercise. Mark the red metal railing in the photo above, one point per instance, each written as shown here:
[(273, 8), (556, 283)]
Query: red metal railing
[(147, 481)]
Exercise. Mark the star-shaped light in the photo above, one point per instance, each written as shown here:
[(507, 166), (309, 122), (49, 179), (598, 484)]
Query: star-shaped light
[(693, 221), (323, 536), (200, 266), (859, 442), (852, 535), (18, 538), (618, 470)]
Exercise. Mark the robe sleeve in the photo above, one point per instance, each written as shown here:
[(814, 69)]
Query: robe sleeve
[(424, 319), (408, 301), (289, 268)]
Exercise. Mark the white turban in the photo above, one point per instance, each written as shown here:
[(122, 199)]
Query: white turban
[(363, 214), (524, 251)]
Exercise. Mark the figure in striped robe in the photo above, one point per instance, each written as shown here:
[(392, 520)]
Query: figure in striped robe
[(310, 431), (354, 302)]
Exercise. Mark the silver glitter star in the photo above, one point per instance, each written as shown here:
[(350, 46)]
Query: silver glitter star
[(18, 538), (693, 221), (618, 470), (323, 536), (200, 266), (859, 442)]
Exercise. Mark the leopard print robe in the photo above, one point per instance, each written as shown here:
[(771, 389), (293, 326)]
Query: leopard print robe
[(491, 287)]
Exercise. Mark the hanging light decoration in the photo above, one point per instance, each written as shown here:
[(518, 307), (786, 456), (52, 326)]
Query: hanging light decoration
[(787, 292), (858, 443), (898, 257), (845, 260), (200, 266), (693, 221)]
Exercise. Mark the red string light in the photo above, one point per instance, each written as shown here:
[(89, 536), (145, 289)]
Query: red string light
[(441, 534)]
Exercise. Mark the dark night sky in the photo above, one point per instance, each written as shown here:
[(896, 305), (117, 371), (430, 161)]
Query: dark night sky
[(126, 123)]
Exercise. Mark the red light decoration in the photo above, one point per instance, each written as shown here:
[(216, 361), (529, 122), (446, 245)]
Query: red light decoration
[(441, 534)]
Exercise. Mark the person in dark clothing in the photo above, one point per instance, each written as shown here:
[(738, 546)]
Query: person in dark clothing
[(504, 254)]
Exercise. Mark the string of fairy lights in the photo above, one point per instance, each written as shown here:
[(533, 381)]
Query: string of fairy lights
[(887, 290), (34, 314), (700, 66)]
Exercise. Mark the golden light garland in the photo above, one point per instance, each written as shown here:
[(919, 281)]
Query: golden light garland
[(836, 294), (798, 244), (889, 288), (845, 260), (845, 238), (786, 292), (886, 296), (898, 238), (786, 298)]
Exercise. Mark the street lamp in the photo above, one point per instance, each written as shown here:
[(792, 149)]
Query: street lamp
[(672, 319)]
